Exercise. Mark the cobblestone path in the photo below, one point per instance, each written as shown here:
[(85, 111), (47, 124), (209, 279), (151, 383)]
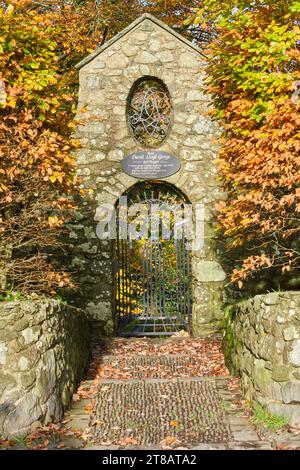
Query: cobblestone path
[(162, 394), (156, 394)]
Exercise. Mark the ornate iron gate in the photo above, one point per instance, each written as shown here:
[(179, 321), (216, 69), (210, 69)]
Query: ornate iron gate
[(153, 290)]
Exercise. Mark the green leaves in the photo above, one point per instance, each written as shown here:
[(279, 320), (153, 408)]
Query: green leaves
[(38, 166), (252, 73), (295, 7)]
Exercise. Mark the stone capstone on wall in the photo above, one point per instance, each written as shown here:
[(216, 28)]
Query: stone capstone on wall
[(262, 345), (44, 349)]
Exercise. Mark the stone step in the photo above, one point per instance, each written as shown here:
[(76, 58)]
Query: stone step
[(79, 422), (249, 445), (80, 404), (153, 366)]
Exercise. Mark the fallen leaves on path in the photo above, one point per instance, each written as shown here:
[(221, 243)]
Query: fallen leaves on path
[(53, 436), (170, 442), (203, 357), (127, 441)]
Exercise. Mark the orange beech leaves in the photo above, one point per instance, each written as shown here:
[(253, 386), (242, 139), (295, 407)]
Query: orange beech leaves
[(40, 42), (253, 73), (38, 49)]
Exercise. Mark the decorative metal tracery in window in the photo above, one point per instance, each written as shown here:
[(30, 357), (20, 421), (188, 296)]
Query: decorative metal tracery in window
[(150, 112)]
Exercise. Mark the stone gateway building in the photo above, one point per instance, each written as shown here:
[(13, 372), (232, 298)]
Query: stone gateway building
[(142, 94)]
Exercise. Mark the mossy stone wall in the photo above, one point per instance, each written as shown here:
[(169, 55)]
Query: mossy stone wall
[(262, 346)]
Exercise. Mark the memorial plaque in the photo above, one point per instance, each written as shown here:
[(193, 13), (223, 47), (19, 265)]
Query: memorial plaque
[(150, 165)]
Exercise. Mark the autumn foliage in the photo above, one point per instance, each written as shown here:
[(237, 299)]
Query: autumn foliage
[(253, 78), (113, 16), (40, 42), (39, 47), (253, 75)]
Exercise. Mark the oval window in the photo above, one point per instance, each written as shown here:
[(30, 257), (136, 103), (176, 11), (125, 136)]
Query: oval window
[(149, 111)]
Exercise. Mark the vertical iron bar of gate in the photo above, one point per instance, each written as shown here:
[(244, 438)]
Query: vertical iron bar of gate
[(179, 316), (137, 290), (147, 277), (177, 278), (130, 290), (184, 279), (180, 280), (189, 284), (117, 272), (151, 279), (160, 279), (144, 278), (168, 295), (164, 281), (122, 278), (125, 277), (171, 299), (128, 278), (129, 243), (156, 280)]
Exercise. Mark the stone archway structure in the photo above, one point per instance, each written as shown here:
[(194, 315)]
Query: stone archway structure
[(146, 48)]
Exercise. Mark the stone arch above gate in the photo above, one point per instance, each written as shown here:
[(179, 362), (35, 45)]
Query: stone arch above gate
[(147, 48)]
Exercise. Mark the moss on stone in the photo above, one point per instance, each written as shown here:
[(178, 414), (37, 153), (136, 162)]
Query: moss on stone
[(229, 339)]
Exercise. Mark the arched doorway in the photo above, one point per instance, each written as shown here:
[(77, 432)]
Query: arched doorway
[(152, 260)]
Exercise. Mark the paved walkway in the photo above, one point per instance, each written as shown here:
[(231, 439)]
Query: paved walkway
[(174, 394), (158, 394)]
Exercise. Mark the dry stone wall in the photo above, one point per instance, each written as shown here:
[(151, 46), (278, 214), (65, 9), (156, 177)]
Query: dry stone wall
[(262, 345), (44, 349)]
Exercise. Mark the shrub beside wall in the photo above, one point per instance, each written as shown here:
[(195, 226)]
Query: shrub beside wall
[(44, 349), (262, 345)]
